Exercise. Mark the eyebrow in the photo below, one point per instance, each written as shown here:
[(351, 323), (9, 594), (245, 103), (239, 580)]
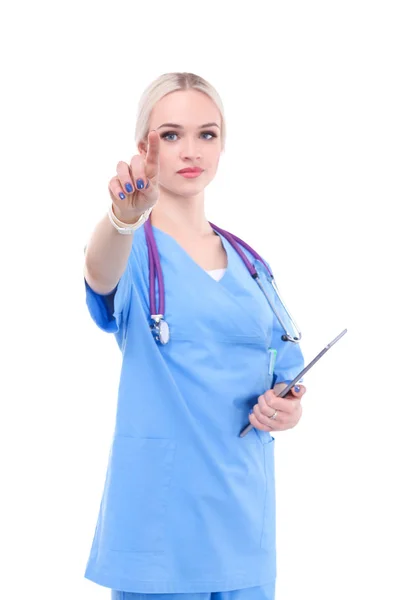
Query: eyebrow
[(176, 126)]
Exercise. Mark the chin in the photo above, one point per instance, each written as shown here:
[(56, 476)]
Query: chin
[(193, 193), (187, 187)]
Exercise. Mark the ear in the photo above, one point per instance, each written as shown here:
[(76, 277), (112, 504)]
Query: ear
[(142, 147)]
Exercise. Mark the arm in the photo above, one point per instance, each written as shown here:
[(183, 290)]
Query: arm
[(133, 190), (106, 256)]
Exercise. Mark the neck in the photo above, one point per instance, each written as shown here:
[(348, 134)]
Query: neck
[(181, 215)]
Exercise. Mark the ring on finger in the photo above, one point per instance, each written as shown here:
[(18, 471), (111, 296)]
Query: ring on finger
[(274, 415)]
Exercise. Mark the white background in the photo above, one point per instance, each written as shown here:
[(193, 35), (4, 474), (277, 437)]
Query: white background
[(310, 178)]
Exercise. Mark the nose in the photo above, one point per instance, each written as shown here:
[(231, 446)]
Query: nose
[(190, 149)]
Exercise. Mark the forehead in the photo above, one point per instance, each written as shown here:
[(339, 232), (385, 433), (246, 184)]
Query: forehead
[(189, 108)]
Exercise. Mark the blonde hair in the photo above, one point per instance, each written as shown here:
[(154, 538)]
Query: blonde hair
[(172, 82)]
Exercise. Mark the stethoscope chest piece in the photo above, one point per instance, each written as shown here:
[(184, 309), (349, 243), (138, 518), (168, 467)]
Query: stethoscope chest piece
[(160, 329)]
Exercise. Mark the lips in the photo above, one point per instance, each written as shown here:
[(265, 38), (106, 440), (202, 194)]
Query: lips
[(191, 170)]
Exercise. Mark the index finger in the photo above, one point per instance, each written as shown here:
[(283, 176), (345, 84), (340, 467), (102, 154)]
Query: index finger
[(152, 159)]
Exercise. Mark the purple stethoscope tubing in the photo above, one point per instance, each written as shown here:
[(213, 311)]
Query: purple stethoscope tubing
[(235, 241), (155, 270)]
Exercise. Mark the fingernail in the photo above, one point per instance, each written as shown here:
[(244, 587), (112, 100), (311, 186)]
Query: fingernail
[(148, 183), (129, 188), (140, 184), (296, 388), (122, 196), (250, 411)]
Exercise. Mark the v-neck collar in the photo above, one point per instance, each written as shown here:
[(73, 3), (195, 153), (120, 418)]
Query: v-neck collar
[(227, 247), (236, 287)]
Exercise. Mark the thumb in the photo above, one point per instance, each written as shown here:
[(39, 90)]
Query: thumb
[(298, 390)]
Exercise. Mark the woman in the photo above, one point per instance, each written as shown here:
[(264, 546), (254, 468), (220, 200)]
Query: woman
[(188, 509)]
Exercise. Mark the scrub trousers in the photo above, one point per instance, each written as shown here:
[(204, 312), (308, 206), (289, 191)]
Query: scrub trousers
[(263, 592)]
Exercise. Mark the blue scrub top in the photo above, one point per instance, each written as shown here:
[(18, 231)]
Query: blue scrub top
[(188, 505)]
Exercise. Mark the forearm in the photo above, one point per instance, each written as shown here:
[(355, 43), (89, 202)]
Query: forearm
[(106, 256)]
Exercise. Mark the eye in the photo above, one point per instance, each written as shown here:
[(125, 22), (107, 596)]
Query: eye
[(169, 133), (213, 135)]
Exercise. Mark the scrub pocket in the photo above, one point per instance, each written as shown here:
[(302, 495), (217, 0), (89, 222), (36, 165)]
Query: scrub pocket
[(136, 494), (268, 537)]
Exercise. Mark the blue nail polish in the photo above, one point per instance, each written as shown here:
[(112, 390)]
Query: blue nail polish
[(296, 388), (140, 184), (122, 196), (250, 411), (148, 183), (129, 188)]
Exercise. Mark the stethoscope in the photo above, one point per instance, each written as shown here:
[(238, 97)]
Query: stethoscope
[(158, 324)]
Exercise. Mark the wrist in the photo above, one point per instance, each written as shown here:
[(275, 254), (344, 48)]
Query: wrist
[(131, 221), (130, 218)]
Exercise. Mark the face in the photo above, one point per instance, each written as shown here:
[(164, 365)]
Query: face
[(189, 145)]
